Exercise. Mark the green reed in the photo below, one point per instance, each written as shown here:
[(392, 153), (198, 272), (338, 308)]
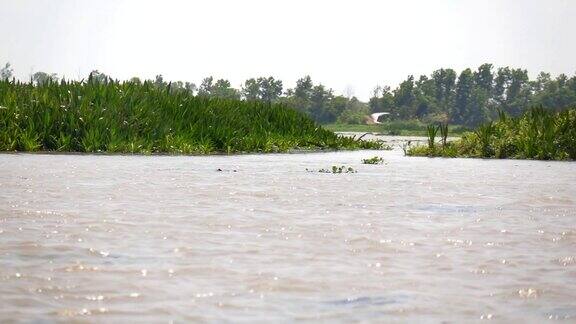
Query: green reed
[(129, 117), (432, 130), (484, 134), (443, 127), (538, 134)]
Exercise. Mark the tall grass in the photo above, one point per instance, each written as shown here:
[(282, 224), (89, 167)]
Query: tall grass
[(133, 117), (432, 130), (443, 133), (484, 134), (538, 134)]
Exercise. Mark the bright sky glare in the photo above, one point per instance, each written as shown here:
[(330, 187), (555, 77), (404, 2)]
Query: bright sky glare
[(350, 46)]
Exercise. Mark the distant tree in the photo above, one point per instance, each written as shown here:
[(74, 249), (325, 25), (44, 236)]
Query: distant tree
[(382, 100), (98, 77), (251, 89), (479, 106), (542, 81), (501, 84), (464, 89), (425, 91), (42, 77), (355, 111), (303, 88), (444, 86), (269, 89), (319, 104), (556, 94), (426, 86), (374, 101), (206, 87), (190, 88), (300, 97), (477, 111), (136, 80), (335, 107), (483, 78), (7, 72), (472, 95), (223, 89), (159, 81), (404, 98), (512, 90), (177, 87), (424, 105)]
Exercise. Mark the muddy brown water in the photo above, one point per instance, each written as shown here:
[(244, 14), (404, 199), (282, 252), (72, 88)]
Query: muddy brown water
[(169, 238)]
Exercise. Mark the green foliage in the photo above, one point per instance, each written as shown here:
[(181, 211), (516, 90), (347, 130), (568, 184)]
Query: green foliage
[(322, 105), (6, 72), (405, 96), (474, 97), (470, 98), (432, 130), (350, 112), (373, 160), (484, 134), (41, 78), (103, 115), (221, 89), (267, 89), (538, 134), (443, 127)]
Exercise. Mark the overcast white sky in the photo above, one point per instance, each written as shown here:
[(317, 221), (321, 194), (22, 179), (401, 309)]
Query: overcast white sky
[(343, 44)]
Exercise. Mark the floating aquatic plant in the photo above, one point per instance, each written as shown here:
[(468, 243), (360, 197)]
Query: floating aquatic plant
[(373, 160), (335, 170)]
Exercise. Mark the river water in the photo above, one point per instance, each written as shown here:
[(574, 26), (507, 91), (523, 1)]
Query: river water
[(170, 238)]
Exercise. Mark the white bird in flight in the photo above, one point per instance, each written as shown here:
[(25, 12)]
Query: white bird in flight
[(375, 116)]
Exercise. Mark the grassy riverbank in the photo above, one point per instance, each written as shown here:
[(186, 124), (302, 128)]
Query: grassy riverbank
[(538, 134), (130, 117), (400, 128)]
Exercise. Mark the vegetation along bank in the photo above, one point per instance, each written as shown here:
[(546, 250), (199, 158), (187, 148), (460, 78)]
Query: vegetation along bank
[(135, 117), (537, 134)]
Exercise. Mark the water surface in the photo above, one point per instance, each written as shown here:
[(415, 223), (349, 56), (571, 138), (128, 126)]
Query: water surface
[(117, 238)]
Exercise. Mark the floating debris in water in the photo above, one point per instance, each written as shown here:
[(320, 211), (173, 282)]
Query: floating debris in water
[(373, 160), (335, 169)]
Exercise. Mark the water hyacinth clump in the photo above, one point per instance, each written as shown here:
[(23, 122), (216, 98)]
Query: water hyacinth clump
[(373, 160), (134, 117), (538, 134)]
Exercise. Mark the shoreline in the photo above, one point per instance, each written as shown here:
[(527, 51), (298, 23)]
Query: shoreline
[(400, 128), (299, 151)]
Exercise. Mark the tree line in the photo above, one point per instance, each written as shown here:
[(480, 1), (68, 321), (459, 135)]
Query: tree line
[(469, 98), (473, 97)]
